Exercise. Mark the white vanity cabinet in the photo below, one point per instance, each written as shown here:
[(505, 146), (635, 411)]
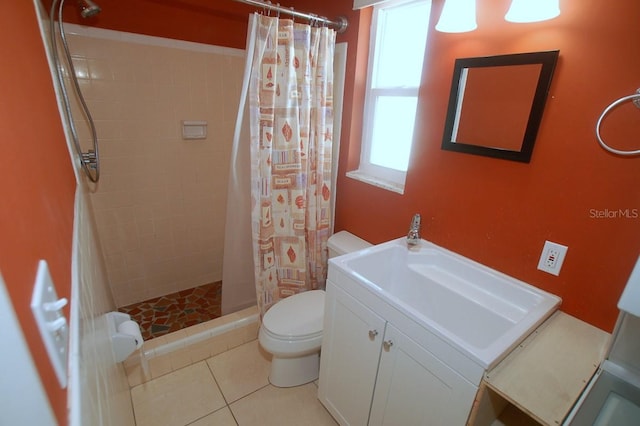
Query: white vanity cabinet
[(376, 370), (349, 358)]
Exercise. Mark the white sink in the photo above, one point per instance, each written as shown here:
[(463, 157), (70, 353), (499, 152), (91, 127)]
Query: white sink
[(480, 311)]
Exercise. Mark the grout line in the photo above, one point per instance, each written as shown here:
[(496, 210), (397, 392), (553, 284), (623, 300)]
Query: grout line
[(227, 405), (250, 393), (215, 411), (217, 384)]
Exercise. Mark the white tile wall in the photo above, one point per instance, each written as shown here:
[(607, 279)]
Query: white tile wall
[(98, 387), (98, 390), (161, 202)]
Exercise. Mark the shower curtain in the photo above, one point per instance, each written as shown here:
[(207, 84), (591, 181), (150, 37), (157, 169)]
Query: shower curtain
[(291, 131), (238, 282)]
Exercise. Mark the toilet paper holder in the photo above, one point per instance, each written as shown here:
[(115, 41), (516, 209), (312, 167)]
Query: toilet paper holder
[(124, 344)]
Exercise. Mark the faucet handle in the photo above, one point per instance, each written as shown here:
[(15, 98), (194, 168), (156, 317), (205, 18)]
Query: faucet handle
[(413, 237), (415, 222)]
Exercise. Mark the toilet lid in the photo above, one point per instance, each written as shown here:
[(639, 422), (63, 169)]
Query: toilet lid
[(296, 316)]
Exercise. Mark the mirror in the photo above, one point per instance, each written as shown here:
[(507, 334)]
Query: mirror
[(496, 104)]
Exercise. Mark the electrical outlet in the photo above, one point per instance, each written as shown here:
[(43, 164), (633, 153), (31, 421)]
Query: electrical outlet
[(552, 257)]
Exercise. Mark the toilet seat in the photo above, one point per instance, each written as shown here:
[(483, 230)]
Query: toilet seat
[(291, 338), (297, 317)]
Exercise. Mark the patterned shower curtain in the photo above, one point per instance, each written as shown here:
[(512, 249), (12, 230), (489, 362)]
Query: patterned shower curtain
[(291, 119)]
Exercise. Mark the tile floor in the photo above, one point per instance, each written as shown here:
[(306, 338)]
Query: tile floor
[(175, 311), (231, 388)]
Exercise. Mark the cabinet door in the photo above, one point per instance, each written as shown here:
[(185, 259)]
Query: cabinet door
[(416, 388), (349, 357)]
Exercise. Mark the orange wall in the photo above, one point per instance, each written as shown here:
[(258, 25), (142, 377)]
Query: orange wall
[(499, 212), (496, 107), (220, 22), (36, 181), (494, 211)]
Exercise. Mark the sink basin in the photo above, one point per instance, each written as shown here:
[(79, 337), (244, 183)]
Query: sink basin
[(480, 311)]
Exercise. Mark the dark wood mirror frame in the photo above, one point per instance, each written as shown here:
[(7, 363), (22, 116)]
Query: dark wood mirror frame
[(547, 60)]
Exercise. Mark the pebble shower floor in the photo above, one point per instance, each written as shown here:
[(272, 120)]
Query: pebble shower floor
[(175, 311)]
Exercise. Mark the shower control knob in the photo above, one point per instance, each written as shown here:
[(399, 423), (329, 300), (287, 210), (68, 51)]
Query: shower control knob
[(373, 334)]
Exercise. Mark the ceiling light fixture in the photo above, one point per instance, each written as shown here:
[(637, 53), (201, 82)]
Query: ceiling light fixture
[(458, 16), (522, 11)]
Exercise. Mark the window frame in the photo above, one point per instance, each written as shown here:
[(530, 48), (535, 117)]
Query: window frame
[(385, 177)]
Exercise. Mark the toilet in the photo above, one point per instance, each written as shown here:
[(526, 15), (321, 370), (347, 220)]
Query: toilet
[(291, 329)]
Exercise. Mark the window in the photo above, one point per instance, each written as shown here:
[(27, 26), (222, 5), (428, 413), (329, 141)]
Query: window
[(398, 40)]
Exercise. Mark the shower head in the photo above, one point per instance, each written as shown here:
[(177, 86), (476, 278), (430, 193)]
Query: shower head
[(89, 8)]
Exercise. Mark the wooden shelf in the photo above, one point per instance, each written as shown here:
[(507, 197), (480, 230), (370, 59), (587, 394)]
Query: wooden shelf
[(541, 379)]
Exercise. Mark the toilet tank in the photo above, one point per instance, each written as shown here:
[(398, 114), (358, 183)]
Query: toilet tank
[(344, 242)]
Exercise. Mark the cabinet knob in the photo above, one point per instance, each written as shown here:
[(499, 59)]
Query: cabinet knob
[(373, 334), (387, 345)]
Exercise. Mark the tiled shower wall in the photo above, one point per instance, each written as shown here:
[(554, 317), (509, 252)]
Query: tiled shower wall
[(98, 389), (161, 201)]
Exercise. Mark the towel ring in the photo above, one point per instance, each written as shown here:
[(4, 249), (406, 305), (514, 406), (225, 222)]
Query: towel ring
[(635, 98)]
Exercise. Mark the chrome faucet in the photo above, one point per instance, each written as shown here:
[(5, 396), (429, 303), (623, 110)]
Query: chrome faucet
[(413, 237)]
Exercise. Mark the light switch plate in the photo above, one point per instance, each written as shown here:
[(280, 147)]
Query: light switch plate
[(47, 310)]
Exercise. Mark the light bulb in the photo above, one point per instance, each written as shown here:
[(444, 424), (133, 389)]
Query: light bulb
[(458, 16), (522, 11)]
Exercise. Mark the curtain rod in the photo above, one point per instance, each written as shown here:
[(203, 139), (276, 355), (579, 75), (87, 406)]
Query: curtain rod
[(340, 24)]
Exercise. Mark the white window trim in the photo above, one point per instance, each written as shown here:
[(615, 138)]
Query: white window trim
[(361, 4), (369, 178), (383, 177)]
